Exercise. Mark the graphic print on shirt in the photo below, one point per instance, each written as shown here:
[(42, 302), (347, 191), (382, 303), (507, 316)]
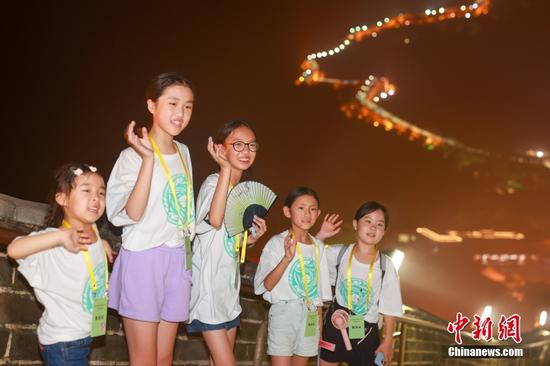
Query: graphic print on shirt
[(172, 214), (358, 295), (87, 294), (229, 245), (296, 282)]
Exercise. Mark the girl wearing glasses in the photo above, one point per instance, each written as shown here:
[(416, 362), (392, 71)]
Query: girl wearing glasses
[(215, 304)]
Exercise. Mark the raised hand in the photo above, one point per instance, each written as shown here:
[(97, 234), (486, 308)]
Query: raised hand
[(140, 144), (290, 247), (260, 227), (330, 227), (76, 239), (218, 154)]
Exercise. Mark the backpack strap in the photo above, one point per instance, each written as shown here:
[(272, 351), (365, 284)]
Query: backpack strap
[(339, 259), (382, 266)]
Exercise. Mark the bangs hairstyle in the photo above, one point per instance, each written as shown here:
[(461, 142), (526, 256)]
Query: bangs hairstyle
[(298, 192), (159, 83), (65, 178), (229, 127), (371, 206)]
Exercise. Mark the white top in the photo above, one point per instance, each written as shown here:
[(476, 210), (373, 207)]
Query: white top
[(291, 284), (160, 223), (61, 283), (385, 300), (214, 298)]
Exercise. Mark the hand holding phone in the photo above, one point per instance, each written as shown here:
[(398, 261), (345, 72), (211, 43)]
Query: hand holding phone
[(379, 359)]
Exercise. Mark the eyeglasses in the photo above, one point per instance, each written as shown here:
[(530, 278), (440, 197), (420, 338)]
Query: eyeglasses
[(239, 146)]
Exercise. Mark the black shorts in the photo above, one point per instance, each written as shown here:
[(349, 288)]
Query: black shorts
[(361, 354)]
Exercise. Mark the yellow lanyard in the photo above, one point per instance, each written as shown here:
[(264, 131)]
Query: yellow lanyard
[(173, 187), (89, 262), (369, 279), (238, 240), (303, 266)]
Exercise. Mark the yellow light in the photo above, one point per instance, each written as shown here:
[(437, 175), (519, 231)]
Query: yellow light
[(364, 28), (383, 95), (331, 52), (434, 12), (441, 10), (301, 78), (540, 154), (379, 23), (428, 12), (346, 42), (376, 123), (391, 92), (468, 15), (376, 99), (463, 7), (374, 34), (386, 20)]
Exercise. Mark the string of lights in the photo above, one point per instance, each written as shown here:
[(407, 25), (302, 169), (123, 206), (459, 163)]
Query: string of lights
[(374, 90)]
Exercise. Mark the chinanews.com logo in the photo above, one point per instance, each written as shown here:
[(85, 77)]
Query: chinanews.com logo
[(509, 328)]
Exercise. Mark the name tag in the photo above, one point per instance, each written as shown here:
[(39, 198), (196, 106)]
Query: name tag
[(188, 253), (356, 327), (311, 323), (99, 317)]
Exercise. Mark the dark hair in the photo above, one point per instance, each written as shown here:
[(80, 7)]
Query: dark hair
[(298, 192), (229, 127), (65, 177), (160, 82), (371, 206)]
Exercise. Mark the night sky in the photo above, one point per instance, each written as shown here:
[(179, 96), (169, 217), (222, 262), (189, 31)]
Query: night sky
[(75, 75)]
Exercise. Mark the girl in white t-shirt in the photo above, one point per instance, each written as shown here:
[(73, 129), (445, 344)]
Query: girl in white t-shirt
[(215, 304), (66, 266), (366, 285), (150, 194), (293, 276)]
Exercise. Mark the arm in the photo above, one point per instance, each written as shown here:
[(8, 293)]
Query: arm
[(74, 240), (273, 278), (219, 200), (137, 201), (386, 345)]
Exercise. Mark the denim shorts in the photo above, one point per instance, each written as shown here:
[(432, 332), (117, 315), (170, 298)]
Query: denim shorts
[(72, 353), (197, 326), (286, 330)]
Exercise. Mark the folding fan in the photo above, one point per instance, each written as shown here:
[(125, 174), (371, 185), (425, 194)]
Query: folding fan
[(245, 200)]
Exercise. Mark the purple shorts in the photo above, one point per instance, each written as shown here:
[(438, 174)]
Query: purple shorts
[(151, 285)]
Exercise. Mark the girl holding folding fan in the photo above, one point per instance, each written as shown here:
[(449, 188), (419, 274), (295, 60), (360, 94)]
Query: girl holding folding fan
[(215, 307)]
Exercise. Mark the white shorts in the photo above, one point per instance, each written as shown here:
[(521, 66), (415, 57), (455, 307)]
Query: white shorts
[(287, 328)]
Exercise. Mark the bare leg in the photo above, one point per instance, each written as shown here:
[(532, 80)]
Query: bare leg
[(281, 360), (166, 339), (220, 347), (142, 341), (325, 363), (299, 360)]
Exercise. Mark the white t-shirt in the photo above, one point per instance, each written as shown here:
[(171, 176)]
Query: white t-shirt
[(61, 282), (291, 284), (161, 222), (214, 298), (385, 300)]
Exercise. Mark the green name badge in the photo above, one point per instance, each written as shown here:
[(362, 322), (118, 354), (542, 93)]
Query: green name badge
[(99, 317), (187, 253), (356, 327), (311, 323)]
